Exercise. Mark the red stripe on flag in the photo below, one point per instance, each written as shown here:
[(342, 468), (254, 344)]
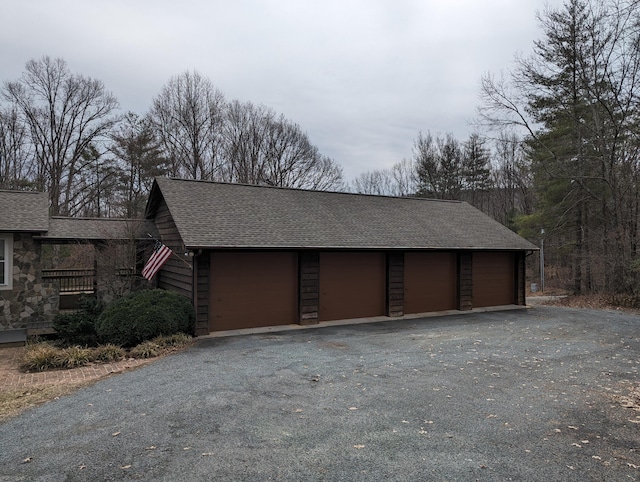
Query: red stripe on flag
[(157, 259)]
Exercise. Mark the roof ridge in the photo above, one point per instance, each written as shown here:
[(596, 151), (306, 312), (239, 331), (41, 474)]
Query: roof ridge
[(297, 189), (82, 218)]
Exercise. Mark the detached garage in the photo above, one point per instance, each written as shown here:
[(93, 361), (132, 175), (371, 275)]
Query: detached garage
[(257, 256)]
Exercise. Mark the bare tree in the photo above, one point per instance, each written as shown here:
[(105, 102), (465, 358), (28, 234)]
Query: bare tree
[(15, 153), (378, 182), (65, 113), (187, 116), (263, 148), (399, 180), (245, 133)]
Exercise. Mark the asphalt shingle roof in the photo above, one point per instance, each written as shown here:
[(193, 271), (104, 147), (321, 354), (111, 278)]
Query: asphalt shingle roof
[(99, 229), (220, 215), (24, 211)]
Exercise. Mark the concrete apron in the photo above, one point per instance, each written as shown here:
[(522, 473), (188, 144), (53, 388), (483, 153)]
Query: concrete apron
[(358, 321)]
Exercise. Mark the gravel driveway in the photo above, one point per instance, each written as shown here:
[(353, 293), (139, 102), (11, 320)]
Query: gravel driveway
[(535, 394)]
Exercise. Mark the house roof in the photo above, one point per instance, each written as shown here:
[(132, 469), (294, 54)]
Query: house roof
[(99, 229), (24, 211), (219, 215)]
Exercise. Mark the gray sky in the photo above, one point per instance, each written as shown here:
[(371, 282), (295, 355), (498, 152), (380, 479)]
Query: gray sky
[(361, 77)]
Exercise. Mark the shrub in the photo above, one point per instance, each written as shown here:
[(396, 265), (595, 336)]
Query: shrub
[(79, 327), (173, 341), (144, 315), (146, 349), (74, 356), (108, 353), (40, 356)]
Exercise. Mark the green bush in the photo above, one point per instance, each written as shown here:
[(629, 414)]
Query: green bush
[(144, 315), (79, 327)]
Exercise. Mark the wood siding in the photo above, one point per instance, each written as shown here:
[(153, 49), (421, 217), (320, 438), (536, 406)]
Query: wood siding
[(202, 296), (494, 277), (176, 274), (352, 285), (430, 282), (521, 279), (395, 283), (309, 262), (465, 281)]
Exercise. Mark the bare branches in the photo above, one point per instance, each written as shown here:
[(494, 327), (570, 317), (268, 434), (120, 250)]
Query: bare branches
[(65, 114)]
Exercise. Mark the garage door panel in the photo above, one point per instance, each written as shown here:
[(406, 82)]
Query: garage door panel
[(352, 285), (430, 282), (253, 289), (493, 279)]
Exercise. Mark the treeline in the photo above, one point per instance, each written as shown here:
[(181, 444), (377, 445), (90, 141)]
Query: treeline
[(559, 148), (574, 175), (60, 132), (492, 175)]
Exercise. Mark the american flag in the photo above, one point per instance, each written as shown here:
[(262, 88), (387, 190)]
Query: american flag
[(159, 257)]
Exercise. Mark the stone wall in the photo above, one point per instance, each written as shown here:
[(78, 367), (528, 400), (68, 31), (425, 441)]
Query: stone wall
[(31, 303)]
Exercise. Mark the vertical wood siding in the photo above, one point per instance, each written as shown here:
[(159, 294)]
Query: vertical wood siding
[(395, 283), (309, 287), (465, 281), (202, 294), (521, 279)]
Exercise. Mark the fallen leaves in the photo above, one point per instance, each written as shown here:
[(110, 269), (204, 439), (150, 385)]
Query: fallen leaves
[(359, 446), (27, 460)]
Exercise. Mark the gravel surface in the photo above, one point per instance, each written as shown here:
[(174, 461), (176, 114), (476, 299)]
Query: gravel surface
[(535, 394)]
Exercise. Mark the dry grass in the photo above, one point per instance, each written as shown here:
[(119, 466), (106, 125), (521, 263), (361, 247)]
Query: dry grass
[(592, 302), (44, 356), (15, 401)]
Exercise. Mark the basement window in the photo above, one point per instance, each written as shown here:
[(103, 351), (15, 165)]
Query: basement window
[(6, 257)]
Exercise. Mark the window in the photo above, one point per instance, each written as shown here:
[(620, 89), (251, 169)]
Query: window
[(6, 258)]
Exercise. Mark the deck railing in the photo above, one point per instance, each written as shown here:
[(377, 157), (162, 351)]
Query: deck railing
[(72, 280)]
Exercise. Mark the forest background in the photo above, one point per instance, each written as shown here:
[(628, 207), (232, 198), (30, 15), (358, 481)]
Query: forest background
[(555, 154)]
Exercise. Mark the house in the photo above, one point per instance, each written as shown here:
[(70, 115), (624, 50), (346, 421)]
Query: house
[(250, 256), (24, 298), (30, 295)]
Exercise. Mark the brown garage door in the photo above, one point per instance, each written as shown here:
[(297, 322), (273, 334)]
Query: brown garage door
[(352, 285), (493, 279), (430, 282), (253, 289)]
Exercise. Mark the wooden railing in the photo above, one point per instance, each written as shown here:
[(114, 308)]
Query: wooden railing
[(72, 280)]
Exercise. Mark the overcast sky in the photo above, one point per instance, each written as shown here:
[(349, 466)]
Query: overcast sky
[(361, 77)]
